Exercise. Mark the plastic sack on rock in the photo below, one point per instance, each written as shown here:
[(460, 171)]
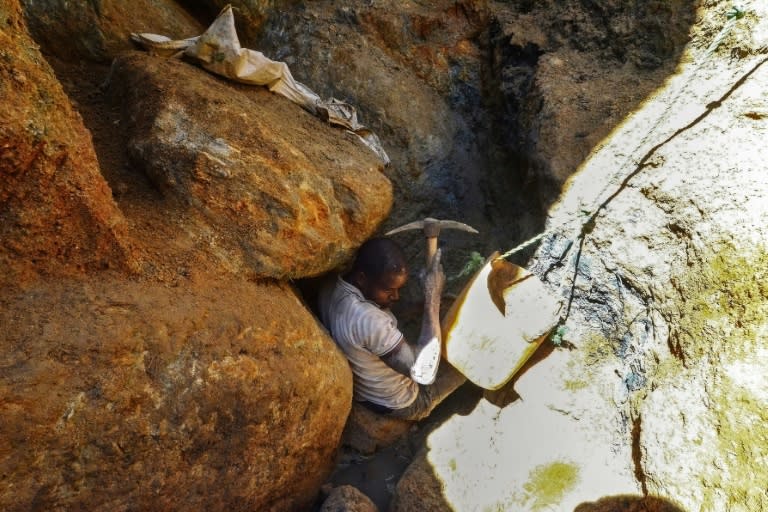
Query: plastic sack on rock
[(218, 50)]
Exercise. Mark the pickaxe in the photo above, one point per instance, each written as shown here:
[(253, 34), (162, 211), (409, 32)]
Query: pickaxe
[(431, 228), (424, 369)]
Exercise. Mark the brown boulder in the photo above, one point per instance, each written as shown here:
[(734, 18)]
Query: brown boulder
[(145, 397), (419, 489), (289, 196), (100, 30), (347, 498), (56, 210)]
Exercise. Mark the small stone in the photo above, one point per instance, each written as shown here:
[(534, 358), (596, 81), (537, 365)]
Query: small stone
[(347, 498)]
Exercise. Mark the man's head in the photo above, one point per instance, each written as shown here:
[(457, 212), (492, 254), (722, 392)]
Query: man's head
[(379, 271)]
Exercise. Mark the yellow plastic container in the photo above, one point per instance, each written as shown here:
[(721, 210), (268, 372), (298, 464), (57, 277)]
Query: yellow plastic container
[(497, 323)]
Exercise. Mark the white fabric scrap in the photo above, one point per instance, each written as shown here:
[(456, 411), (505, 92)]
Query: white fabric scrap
[(218, 50)]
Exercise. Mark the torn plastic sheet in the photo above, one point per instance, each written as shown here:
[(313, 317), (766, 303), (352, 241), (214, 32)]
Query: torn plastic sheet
[(218, 50)]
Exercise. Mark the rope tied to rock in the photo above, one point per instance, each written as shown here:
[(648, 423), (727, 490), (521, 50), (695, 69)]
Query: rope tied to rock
[(733, 15)]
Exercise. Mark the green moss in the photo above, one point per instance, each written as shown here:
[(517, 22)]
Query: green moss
[(547, 484), (742, 435), (724, 310), (574, 384), (723, 304), (596, 349)]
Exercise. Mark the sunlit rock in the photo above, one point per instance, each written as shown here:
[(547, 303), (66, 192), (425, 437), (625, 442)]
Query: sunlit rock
[(223, 397), (288, 195), (658, 246)]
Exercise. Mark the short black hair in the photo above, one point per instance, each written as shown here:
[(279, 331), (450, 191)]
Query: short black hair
[(379, 256)]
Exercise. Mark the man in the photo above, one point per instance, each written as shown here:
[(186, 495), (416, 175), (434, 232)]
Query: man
[(391, 376)]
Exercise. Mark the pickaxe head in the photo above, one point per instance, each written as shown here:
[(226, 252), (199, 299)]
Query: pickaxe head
[(432, 227)]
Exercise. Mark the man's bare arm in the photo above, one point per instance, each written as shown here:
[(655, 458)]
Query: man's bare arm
[(401, 358), (405, 358)]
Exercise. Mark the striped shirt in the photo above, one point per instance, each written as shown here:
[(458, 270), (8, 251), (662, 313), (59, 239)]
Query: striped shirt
[(365, 332)]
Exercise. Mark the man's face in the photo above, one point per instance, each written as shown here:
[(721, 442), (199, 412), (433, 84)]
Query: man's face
[(385, 290)]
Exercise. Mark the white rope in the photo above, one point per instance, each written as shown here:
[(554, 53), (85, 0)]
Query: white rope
[(733, 15)]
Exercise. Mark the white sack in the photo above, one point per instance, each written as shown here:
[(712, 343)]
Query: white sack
[(218, 50)]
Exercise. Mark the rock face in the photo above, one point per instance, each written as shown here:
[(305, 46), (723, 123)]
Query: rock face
[(486, 108), (685, 245), (140, 396), (99, 30), (57, 210), (294, 197), (658, 248), (342, 50)]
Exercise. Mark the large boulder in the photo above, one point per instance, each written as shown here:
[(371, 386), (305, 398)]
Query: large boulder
[(226, 395), (288, 195), (485, 108), (138, 371), (98, 30), (658, 250), (339, 50), (56, 211)]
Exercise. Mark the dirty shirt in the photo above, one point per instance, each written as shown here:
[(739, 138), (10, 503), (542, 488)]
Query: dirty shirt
[(365, 332)]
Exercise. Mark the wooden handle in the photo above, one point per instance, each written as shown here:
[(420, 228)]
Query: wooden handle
[(431, 249)]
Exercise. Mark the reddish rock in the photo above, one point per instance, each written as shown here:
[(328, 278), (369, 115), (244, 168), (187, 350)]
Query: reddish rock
[(347, 498), (367, 432), (288, 195), (135, 396), (56, 211)]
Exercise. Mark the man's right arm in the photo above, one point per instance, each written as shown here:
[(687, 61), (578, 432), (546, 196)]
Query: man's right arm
[(401, 358)]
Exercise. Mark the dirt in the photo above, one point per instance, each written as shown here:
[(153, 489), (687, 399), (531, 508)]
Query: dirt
[(377, 475), (156, 235)]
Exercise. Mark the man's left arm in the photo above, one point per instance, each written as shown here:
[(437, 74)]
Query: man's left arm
[(421, 362)]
